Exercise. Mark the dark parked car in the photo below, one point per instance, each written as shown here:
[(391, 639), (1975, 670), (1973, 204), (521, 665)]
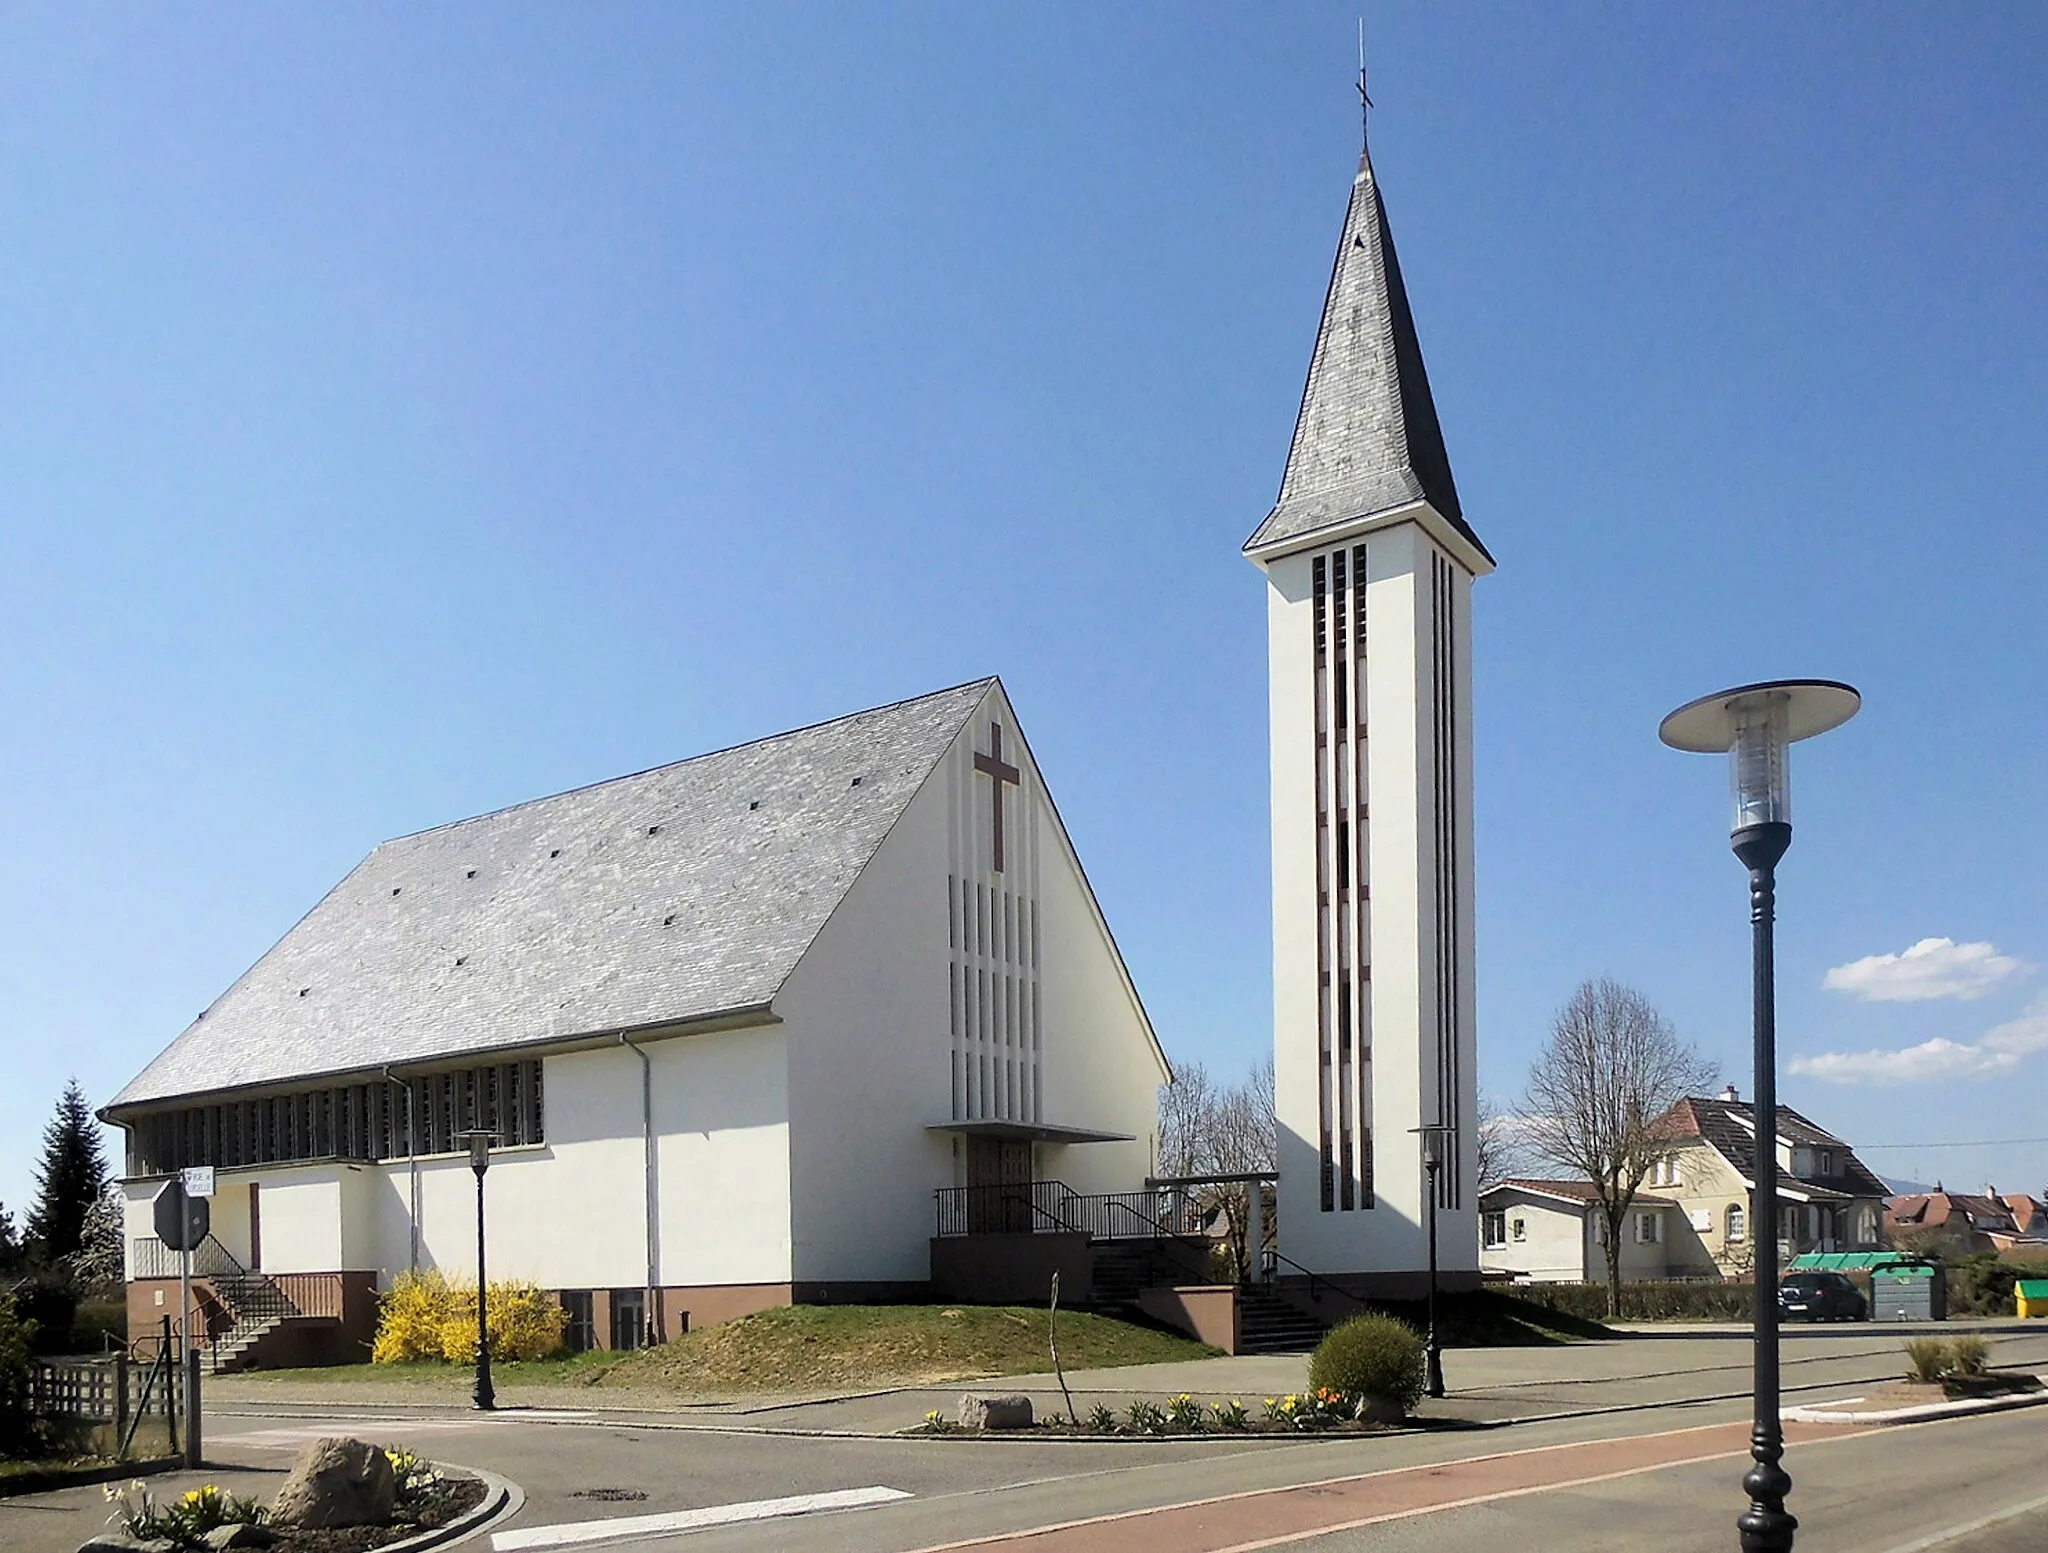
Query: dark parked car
[(1822, 1297)]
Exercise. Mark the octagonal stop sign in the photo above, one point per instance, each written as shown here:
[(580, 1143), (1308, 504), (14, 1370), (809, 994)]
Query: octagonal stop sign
[(182, 1221)]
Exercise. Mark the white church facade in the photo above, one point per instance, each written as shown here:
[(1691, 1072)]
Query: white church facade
[(736, 1025), (1369, 564)]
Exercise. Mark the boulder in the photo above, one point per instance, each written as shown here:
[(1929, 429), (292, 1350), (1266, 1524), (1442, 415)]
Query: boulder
[(337, 1482), (111, 1542), (995, 1412), (239, 1534)]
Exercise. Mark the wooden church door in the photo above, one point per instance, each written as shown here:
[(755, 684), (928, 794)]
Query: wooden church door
[(999, 1186)]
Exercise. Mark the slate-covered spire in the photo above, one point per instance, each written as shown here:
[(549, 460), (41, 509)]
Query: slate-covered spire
[(1367, 439)]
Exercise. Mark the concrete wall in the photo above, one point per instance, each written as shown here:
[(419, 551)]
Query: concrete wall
[(1011, 1269), (1208, 1313), (1403, 939)]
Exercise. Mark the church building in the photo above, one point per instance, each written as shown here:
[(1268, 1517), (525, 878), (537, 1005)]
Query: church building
[(737, 1027), (1369, 562)]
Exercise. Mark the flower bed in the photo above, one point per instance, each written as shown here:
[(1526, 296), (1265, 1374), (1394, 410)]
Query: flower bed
[(1306, 1412), (425, 1498)]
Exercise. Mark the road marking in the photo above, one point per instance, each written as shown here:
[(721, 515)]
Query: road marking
[(286, 1439), (1942, 1539), (619, 1528)]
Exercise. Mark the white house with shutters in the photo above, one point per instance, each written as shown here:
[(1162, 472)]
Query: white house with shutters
[(747, 1029)]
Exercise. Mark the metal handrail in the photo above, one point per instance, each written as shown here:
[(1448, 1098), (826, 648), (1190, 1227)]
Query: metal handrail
[(1315, 1278)]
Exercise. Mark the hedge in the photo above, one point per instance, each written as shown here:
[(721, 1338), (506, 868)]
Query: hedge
[(1704, 1300)]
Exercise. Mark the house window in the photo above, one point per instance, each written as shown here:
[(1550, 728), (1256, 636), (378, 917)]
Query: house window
[(1827, 1162), (1521, 1227), (579, 1332), (1495, 1226), (1866, 1225), (1646, 1229), (1600, 1229), (1736, 1229), (629, 1318)]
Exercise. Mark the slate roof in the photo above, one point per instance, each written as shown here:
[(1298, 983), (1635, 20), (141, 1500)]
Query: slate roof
[(1367, 439), (1729, 1126), (680, 893)]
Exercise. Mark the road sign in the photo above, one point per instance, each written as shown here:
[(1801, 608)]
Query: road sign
[(198, 1180), (182, 1220)]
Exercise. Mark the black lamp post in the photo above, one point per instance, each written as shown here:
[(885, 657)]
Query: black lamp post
[(1432, 1349), (1757, 725), (486, 1394)]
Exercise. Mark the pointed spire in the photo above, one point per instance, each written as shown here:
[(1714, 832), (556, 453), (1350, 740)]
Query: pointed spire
[(1367, 439)]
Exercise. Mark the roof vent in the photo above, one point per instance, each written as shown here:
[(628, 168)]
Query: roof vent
[(470, 875), (856, 781), (304, 990), (462, 959), (654, 830), (396, 888), (1730, 1095), (669, 920), (556, 853), (753, 804)]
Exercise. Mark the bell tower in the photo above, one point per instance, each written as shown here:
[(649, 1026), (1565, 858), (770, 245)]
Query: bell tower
[(1369, 563)]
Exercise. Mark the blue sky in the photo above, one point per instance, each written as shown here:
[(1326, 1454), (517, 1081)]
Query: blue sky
[(407, 413)]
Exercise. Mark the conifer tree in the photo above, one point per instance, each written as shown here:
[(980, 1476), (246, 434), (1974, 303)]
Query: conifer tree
[(71, 1178)]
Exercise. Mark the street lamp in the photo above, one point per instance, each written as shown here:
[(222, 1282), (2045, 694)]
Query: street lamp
[(1432, 1350), (486, 1394), (1757, 725)]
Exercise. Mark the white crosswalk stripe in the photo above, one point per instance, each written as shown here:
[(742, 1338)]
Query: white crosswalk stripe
[(533, 1539)]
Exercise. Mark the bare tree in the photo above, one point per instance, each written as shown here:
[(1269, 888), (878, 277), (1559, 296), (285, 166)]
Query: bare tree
[(1612, 1067), (1228, 1130), (1186, 1104), (1503, 1151)]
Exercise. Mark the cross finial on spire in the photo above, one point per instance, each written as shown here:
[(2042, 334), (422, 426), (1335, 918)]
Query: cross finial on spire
[(1364, 102)]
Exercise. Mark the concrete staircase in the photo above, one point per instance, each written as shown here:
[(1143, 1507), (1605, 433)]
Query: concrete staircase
[(1266, 1323), (265, 1319)]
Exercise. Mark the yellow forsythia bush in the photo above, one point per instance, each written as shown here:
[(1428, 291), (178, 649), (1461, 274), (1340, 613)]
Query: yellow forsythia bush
[(424, 1316)]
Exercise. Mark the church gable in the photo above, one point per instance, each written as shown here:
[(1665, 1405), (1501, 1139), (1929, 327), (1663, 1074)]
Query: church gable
[(675, 895)]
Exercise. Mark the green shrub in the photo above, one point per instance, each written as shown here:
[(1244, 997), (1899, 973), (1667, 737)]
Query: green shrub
[(1981, 1285), (1370, 1356), (18, 1434), (1929, 1359), (1707, 1299), (1972, 1354)]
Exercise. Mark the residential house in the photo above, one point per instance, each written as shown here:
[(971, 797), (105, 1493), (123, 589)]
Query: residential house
[(1962, 1223), (1828, 1200), (1550, 1231)]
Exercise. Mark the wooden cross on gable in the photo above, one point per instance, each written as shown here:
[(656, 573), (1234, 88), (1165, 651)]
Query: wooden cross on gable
[(993, 765)]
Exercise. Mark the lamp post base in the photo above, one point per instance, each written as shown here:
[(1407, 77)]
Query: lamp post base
[(1766, 1526), (1433, 1367)]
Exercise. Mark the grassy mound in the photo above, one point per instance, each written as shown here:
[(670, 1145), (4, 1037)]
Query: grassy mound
[(805, 1347)]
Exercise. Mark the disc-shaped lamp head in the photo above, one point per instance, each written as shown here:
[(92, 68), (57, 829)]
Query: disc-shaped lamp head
[(1756, 725)]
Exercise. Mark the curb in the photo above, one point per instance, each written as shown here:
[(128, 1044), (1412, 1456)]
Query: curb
[(1918, 1413), (502, 1499)]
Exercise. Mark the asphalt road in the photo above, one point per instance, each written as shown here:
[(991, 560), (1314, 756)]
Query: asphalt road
[(1633, 1444)]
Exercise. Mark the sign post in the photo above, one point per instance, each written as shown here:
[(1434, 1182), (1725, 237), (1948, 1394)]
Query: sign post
[(182, 1219)]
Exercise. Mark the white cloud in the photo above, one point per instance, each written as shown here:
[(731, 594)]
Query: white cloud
[(1932, 968), (1997, 1052)]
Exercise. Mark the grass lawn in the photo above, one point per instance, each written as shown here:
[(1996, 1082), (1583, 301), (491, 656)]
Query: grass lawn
[(805, 1347), (802, 1348)]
